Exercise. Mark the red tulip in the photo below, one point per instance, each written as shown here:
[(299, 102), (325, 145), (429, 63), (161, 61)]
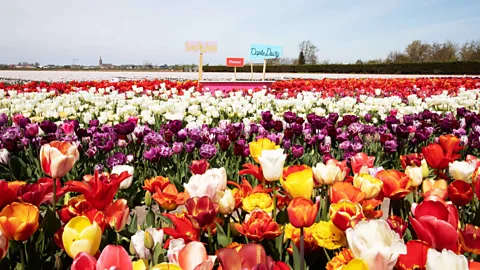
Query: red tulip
[(414, 160), (469, 239), (39, 192), (416, 257), (182, 228), (438, 156), (152, 183), (361, 160), (8, 195), (397, 224), (201, 210), (460, 192), (252, 169), (99, 189), (199, 166), (472, 265), (84, 261), (436, 224)]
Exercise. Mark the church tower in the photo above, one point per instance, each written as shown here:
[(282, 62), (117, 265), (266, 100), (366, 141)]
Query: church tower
[(100, 61)]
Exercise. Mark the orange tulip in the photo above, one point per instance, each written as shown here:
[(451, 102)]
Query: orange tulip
[(345, 191), (3, 245), (302, 212), (57, 158), (18, 221), (469, 239), (152, 183), (292, 233), (168, 197), (437, 188), (369, 207), (451, 146), (395, 184), (75, 207), (201, 210), (117, 214), (259, 226), (343, 212), (460, 192), (340, 260), (472, 265)]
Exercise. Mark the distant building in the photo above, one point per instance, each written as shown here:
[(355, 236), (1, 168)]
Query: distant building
[(105, 66)]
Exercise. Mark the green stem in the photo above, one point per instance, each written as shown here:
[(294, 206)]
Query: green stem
[(54, 197), (210, 240), (22, 256), (302, 249), (228, 229), (274, 183)]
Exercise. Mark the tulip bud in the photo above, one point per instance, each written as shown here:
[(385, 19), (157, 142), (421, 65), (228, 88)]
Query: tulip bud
[(415, 174), (131, 248), (425, 170), (148, 241), (148, 198)]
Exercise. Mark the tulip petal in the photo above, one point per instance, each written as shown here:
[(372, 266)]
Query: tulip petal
[(84, 261), (114, 256), (81, 246), (252, 255), (229, 259), (193, 254)]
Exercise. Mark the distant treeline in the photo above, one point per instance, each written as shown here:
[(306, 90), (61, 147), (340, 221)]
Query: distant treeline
[(446, 68)]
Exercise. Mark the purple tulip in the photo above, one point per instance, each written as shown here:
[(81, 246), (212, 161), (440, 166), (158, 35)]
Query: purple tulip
[(153, 138), (208, 151), (297, 151), (94, 123), (99, 168), (3, 119), (346, 145), (390, 146), (175, 126), (31, 130), (124, 128), (48, 126), (177, 147), (287, 144), (267, 116), (91, 151), (152, 154), (367, 118), (189, 146), (116, 159), (289, 117)]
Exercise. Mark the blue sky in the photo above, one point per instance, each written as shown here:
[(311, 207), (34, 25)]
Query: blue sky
[(127, 31)]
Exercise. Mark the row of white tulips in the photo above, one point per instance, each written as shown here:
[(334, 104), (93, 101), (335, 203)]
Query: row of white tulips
[(109, 106)]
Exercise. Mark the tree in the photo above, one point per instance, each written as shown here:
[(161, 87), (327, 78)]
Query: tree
[(418, 51), (309, 51), (470, 51), (397, 57), (444, 52), (301, 58)]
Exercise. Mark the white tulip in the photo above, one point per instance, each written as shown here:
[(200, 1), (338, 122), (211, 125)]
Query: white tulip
[(415, 174), (4, 156), (446, 260), (207, 184), (118, 169), (138, 241), (374, 242), (272, 162), (226, 201), (328, 174), (461, 170), (174, 248)]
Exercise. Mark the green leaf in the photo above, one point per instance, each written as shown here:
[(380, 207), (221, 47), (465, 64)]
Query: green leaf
[(150, 218), (132, 227), (50, 223), (296, 257), (158, 254), (222, 238), (164, 219)]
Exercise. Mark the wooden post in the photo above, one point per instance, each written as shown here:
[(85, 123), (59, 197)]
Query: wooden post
[(235, 73), (251, 68), (200, 68), (264, 68)]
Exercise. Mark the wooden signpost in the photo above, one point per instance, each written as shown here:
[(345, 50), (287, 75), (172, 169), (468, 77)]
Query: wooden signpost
[(264, 52), (201, 47), (235, 62)]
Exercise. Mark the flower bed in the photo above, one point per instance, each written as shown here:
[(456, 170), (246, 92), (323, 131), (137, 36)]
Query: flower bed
[(241, 180)]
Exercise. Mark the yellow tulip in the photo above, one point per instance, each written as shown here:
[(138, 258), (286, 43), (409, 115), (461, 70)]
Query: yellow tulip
[(18, 221), (258, 201), (297, 180), (257, 147), (166, 266), (368, 184), (140, 265), (80, 235), (356, 264)]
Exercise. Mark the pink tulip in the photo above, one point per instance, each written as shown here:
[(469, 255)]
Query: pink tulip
[(68, 128), (112, 257), (194, 256)]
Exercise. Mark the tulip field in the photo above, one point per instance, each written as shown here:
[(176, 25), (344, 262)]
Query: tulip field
[(332, 173)]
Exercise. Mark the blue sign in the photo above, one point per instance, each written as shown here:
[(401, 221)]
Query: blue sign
[(260, 52)]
